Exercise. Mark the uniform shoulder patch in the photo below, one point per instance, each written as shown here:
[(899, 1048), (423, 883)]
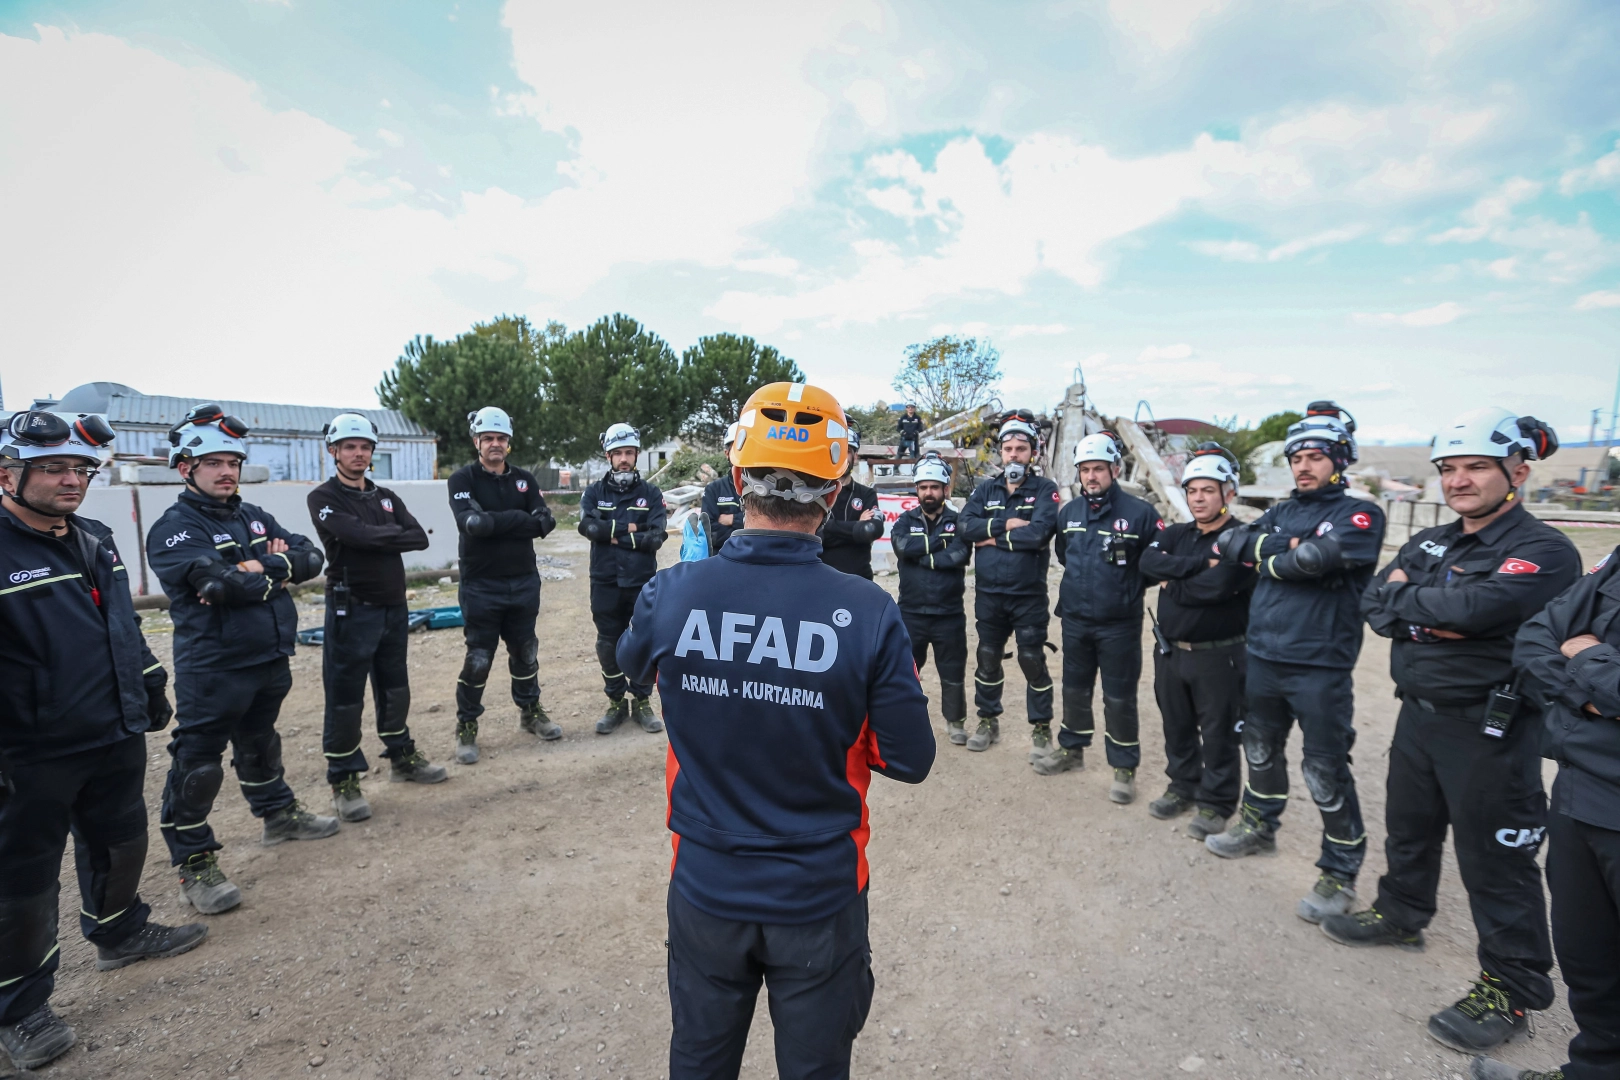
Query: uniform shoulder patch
[(1055, 497), (1361, 519), (1601, 563), (1327, 527), (1518, 566), (257, 527)]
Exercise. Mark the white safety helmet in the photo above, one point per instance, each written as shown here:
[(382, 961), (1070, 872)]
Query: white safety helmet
[(40, 434), (1210, 465), (933, 468), (207, 430), (350, 425), (1098, 447), (1017, 426), (618, 435), (489, 419), (1494, 432), (731, 436), (1324, 429)]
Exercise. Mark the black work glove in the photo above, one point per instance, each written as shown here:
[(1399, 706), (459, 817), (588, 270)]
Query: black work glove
[(158, 710), (478, 525), (306, 563), (1236, 545), (545, 518)]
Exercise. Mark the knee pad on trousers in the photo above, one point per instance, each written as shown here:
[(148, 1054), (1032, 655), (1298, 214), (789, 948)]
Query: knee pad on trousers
[(1032, 662), (989, 656), (475, 669), (1120, 712), (523, 665), (258, 760), (606, 656), (396, 705), (124, 864), (1077, 710), (953, 700), (1258, 745), (195, 786), (27, 933), (1322, 778)]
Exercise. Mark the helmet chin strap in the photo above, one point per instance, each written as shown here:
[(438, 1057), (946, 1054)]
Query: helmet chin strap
[(17, 496)]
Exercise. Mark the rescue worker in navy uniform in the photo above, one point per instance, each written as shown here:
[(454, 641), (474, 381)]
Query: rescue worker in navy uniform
[(1100, 540), (1009, 520), (911, 428), (854, 525), (933, 580), (1314, 553), (1452, 601), (722, 506), (364, 529), (78, 690), (500, 513), (1569, 655), (1201, 656), (225, 565), (623, 517), (786, 684)]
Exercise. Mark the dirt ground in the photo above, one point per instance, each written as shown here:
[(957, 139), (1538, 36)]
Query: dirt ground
[(510, 922)]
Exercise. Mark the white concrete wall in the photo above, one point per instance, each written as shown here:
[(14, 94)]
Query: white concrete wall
[(119, 507)]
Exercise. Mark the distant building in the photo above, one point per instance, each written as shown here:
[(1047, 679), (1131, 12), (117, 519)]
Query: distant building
[(285, 438)]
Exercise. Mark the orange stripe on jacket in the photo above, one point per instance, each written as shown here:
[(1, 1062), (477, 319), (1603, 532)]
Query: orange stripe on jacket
[(858, 762), (672, 769)]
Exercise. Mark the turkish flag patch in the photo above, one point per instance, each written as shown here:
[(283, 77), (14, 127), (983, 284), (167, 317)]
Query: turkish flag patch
[(1055, 497), (1518, 566), (1361, 519)]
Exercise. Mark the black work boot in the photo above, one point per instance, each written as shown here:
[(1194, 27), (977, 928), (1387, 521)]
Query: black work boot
[(1171, 804), (204, 885), (467, 742), (1063, 759), (154, 941), (1123, 789), (1483, 1068), (1330, 896), (295, 823), (349, 801), (1040, 741), (618, 711), (37, 1038), (1367, 928), (641, 711), (1250, 836), (1206, 823), (534, 720), (415, 768), (1485, 1018)]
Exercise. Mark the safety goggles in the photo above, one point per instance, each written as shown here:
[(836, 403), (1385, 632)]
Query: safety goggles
[(40, 428)]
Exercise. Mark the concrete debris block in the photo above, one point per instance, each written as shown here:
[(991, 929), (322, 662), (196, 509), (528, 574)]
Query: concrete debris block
[(1191, 1064)]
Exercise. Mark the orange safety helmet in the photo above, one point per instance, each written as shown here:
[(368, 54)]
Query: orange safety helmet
[(792, 426)]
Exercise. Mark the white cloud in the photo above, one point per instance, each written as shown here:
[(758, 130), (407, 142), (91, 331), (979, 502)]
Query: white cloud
[(1245, 251), (392, 138), (1604, 172), (870, 100), (1439, 315), (1164, 24), (1179, 351), (1489, 213), (1036, 330), (1228, 250), (1563, 253), (1593, 301)]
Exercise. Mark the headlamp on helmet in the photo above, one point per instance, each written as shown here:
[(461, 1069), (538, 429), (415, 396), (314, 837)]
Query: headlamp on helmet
[(1495, 433), (1211, 461)]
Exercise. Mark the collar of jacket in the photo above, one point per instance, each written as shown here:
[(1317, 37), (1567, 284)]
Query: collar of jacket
[(94, 528), (1490, 534), (222, 510), (772, 546), (366, 492), (1103, 501), (1332, 491)]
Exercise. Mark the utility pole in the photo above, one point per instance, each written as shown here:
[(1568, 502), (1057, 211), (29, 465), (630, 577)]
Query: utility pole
[(1614, 411)]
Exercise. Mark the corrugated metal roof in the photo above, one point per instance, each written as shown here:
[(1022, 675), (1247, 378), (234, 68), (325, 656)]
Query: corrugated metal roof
[(262, 417)]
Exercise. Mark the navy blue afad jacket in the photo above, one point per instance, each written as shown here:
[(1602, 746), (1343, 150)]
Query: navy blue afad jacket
[(933, 562), (1314, 621), (258, 622), (605, 515), (72, 657), (784, 683), (1093, 589), (1016, 564)]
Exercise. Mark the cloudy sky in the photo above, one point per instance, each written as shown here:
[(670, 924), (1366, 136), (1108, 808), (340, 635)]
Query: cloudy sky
[(1224, 207)]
